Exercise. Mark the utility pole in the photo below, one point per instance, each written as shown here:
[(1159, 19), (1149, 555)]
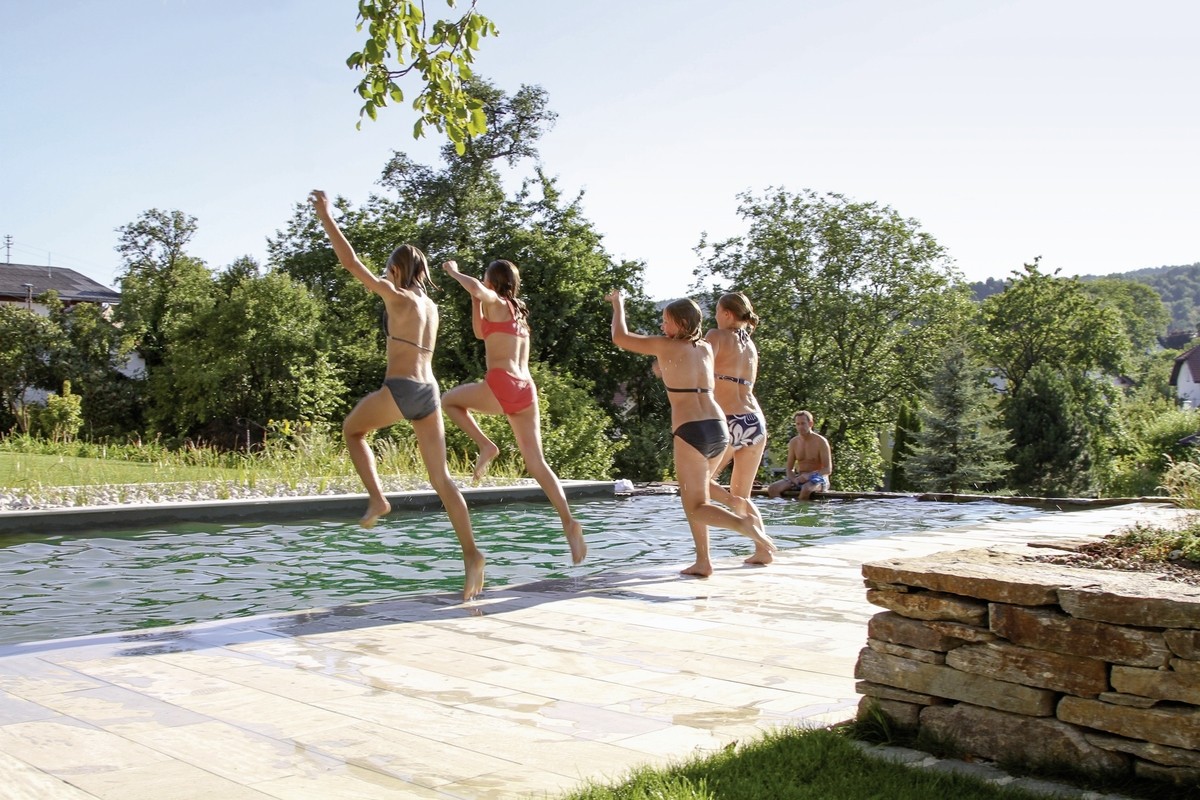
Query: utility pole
[(8, 249)]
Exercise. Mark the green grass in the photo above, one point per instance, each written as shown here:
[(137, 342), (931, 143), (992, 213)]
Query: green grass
[(32, 471), (824, 764), (304, 457), (809, 764)]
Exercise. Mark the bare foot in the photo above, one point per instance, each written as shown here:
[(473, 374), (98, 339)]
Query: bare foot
[(761, 556), (473, 587), (752, 520), (574, 532), (486, 454), (375, 510), (701, 569)]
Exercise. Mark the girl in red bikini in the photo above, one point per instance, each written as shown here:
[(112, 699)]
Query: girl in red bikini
[(500, 318), (685, 361)]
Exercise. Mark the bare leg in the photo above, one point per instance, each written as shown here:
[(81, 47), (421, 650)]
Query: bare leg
[(692, 472), (431, 438), (526, 427), (691, 468), (741, 483), (457, 403), (780, 486), (376, 410)]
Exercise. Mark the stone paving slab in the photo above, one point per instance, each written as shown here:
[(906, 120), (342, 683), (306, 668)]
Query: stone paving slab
[(524, 693)]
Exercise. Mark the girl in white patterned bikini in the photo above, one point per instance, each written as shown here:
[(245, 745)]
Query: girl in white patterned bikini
[(735, 368)]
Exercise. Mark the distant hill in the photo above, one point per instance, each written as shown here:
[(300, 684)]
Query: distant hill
[(1178, 286)]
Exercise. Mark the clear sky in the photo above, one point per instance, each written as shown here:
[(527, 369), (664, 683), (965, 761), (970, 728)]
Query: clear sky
[(1067, 129)]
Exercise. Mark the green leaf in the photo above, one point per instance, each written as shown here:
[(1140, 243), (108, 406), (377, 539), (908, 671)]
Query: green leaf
[(478, 122)]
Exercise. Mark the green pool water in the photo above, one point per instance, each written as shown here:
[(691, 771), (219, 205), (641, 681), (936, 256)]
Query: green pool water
[(54, 587)]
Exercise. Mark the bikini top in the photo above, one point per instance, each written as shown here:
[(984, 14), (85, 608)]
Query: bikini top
[(388, 334), (740, 381), (513, 326), (697, 391)]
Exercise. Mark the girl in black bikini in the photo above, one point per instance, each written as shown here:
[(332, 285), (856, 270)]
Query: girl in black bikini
[(701, 435), (409, 388)]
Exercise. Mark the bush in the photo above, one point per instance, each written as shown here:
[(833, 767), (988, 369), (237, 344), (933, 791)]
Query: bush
[(60, 419), (1156, 449)]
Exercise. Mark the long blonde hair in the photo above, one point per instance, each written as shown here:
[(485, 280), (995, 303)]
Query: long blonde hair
[(738, 304)]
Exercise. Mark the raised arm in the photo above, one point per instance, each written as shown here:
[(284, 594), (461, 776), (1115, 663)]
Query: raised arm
[(341, 246), (634, 342), (475, 286), (476, 318)]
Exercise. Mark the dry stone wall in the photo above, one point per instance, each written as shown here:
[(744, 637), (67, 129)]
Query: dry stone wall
[(1021, 661)]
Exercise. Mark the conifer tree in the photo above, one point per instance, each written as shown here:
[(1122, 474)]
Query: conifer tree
[(959, 445), (1051, 452)]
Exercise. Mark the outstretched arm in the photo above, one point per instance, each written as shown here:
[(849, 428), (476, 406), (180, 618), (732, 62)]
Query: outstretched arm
[(476, 318), (341, 246), (634, 342), (473, 285)]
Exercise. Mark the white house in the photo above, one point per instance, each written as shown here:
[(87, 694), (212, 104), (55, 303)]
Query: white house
[(1185, 377)]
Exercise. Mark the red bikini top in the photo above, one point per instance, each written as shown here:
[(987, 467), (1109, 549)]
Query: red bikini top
[(513, 326)]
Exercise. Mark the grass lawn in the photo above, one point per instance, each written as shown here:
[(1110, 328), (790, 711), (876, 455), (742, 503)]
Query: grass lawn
[(33, 470), (813, 764)]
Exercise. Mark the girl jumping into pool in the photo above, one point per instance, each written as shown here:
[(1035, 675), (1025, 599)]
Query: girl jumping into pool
[(735, 367), (409, 388), (701, 435), (500, 318)]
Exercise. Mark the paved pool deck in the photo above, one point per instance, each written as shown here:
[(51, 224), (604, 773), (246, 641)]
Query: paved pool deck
[(527, 692)]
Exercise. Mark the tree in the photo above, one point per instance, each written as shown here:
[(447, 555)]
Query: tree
[(908, 424), (1051, 453), (856, 303), (160, 284), (960, 445), (1043, 319), (94, 350), (27, 344), (1141, 309), (254, 355), (442, 56)]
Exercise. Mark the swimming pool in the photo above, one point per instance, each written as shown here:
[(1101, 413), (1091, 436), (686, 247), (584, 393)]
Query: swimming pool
[(72, 585)]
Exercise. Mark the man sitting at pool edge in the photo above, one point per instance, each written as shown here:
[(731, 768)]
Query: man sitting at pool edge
[(809, 461)]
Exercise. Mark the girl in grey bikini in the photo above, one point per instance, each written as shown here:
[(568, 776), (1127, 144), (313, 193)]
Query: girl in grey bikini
[(701, 435), (409, 388), (735, 366)]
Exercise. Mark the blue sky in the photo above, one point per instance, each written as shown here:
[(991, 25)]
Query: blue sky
[(1010, 129)]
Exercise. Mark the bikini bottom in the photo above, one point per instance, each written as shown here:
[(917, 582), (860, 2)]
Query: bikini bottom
[(709, 436), (416, 400), (746, 430), (515, 394)]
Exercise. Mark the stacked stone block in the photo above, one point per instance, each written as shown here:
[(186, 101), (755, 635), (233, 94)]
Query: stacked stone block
[(1020, 661)]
